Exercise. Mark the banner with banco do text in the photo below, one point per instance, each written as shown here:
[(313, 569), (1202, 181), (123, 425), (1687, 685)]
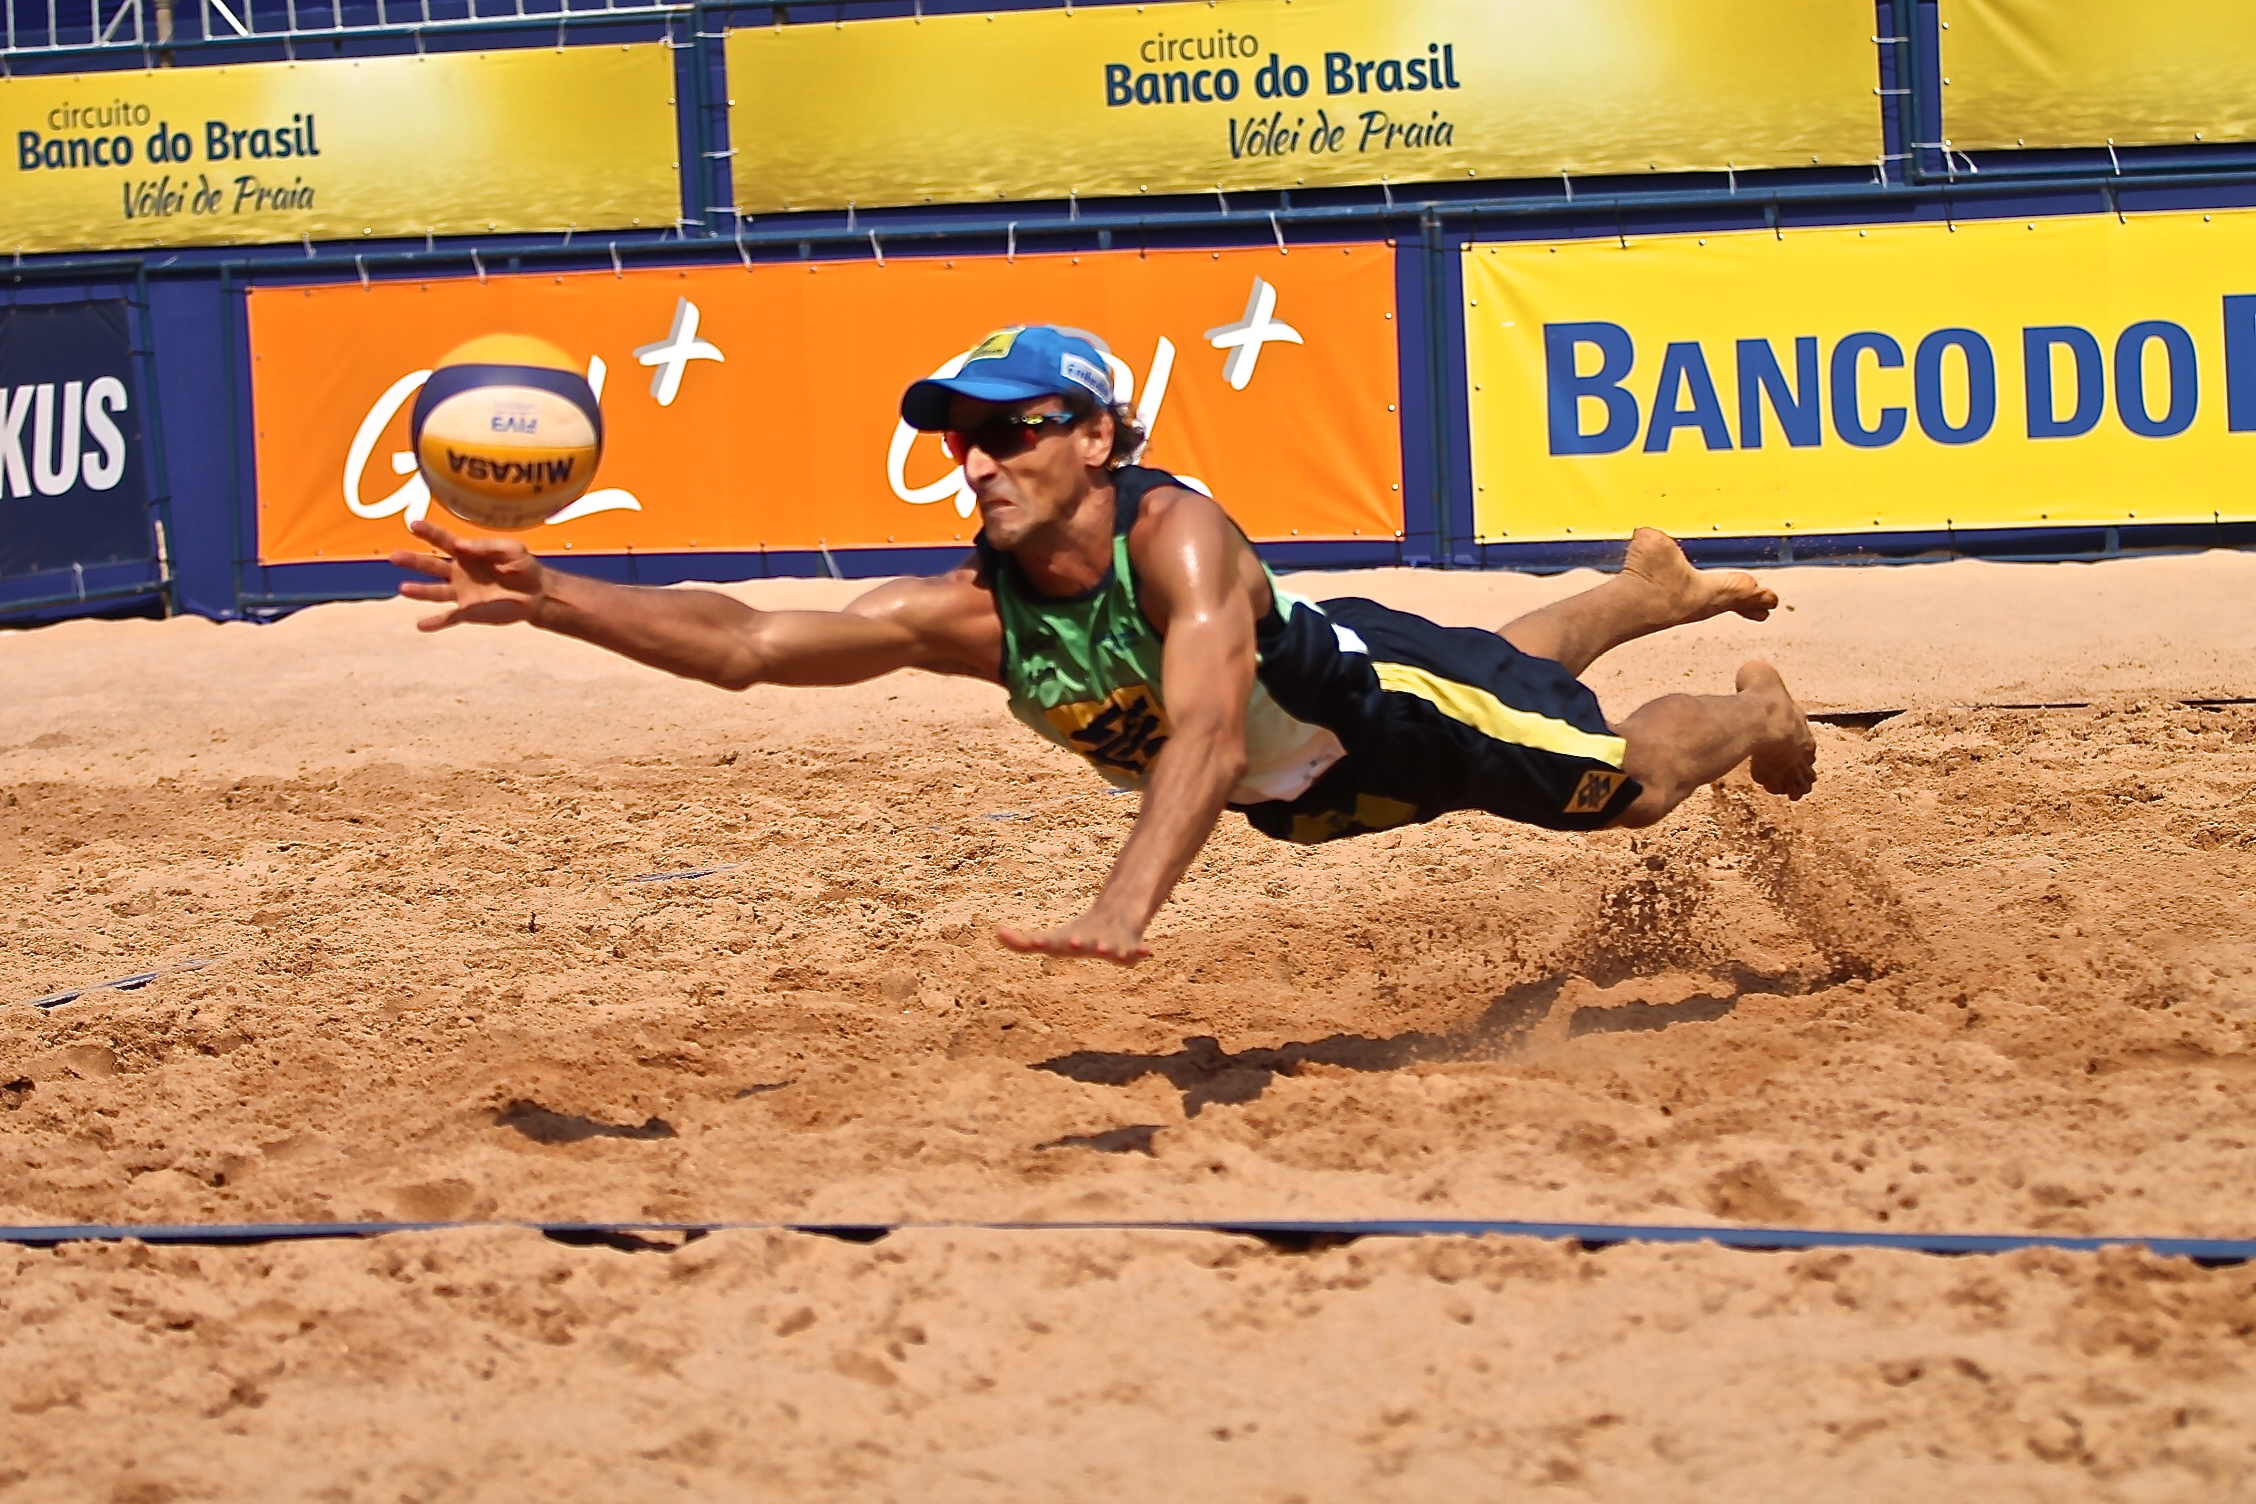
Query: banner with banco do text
[(754, 410), (1117, 100), (1901, 378), (2042, 73), (343, 149)]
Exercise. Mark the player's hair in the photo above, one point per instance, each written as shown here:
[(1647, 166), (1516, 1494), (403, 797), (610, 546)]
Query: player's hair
[(1128, 436)]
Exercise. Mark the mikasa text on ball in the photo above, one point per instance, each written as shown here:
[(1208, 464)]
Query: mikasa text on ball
[(507, 431)]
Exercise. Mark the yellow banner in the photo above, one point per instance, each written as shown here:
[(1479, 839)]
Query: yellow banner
[(1118, 100), (2090, 72), (347, 149), (1904, 378)]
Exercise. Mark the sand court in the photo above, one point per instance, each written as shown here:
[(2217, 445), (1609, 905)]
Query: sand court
[(1995, 975)]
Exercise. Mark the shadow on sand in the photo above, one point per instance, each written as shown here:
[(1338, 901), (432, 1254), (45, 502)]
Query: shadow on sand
[(1205, 1073)]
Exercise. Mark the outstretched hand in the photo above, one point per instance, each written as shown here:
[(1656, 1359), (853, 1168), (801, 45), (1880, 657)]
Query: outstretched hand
[(1089, 938), (490, 580)]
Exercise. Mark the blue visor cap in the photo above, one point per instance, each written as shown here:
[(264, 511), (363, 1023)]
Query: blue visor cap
[(1014, 365)]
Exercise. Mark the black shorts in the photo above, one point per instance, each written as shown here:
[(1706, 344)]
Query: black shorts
[(1434, 719)]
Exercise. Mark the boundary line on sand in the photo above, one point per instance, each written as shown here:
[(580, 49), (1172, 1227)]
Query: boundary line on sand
[(1298, 1236)]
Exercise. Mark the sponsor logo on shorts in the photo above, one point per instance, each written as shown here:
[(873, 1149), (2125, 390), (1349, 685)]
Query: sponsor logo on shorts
[(1595, 791), (1371, 812)]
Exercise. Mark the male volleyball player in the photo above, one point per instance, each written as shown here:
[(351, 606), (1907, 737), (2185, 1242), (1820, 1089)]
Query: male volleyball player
[(1131, 623)]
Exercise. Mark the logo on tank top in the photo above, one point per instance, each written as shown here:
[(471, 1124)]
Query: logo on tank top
[(1125, 730)]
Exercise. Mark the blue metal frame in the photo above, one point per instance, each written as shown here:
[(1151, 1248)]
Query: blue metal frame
[(1912, 180)]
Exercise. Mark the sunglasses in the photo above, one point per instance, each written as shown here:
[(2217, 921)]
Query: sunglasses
[(1003, 436)]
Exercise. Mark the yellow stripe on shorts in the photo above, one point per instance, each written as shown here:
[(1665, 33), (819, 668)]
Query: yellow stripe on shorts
[(1485, 713)]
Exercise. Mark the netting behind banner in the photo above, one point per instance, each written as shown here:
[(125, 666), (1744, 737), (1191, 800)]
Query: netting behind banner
[(36, 26)]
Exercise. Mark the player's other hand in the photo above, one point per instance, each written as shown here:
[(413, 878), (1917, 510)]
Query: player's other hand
[(491, 580), (1092, 937)]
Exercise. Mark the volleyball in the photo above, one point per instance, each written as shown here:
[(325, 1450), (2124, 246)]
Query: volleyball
[(507, 432)]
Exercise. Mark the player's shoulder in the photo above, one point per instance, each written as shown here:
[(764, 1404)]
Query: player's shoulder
[(1172, 514), (961, 590)]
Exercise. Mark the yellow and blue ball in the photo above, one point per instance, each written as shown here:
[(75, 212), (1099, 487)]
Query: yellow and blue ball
[(507, 432)]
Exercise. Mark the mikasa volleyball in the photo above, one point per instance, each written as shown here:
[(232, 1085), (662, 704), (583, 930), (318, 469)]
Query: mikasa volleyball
[(507, 431)]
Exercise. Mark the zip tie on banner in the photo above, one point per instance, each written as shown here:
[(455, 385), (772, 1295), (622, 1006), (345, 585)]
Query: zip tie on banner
[(875, 249), (1010, 246), (1731, 175), (307, 238), (1951, 157), (1225, 203), (361, 267), (478, 265), (1072, 204), (1569, 182), (568, 229), (823, 547), (850, 216), (430, 239), (617, 270), (742, 254), (1279, 231), (2113, 160), (1387, 188)]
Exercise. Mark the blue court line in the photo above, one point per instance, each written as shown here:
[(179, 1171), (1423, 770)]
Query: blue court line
[(1587, 1234), (675, 877), (132, 983)]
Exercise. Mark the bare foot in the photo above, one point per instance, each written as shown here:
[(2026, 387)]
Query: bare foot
[(1786, 761), (1689, 594)]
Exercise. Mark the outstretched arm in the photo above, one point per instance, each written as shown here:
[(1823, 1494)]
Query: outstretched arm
[(698, 634), (1200, 584)]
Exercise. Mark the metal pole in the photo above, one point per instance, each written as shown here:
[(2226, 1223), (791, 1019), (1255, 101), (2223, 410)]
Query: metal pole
[(1911, 61), (160, 478), (1440, 401), (235, 497)]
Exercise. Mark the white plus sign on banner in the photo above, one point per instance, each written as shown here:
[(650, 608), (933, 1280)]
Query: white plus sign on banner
[(680, 346), (1244, 339)]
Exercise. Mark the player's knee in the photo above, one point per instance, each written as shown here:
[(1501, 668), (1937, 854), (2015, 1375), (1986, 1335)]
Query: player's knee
[(1650, 807)]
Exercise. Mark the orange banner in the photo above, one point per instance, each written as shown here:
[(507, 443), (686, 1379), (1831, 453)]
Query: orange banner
[(747, 411)]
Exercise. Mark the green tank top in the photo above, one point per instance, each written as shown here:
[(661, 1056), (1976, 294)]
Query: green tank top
[(1084, 670)]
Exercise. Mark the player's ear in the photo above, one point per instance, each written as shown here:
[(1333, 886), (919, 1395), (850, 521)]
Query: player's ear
[(1096, 440)]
